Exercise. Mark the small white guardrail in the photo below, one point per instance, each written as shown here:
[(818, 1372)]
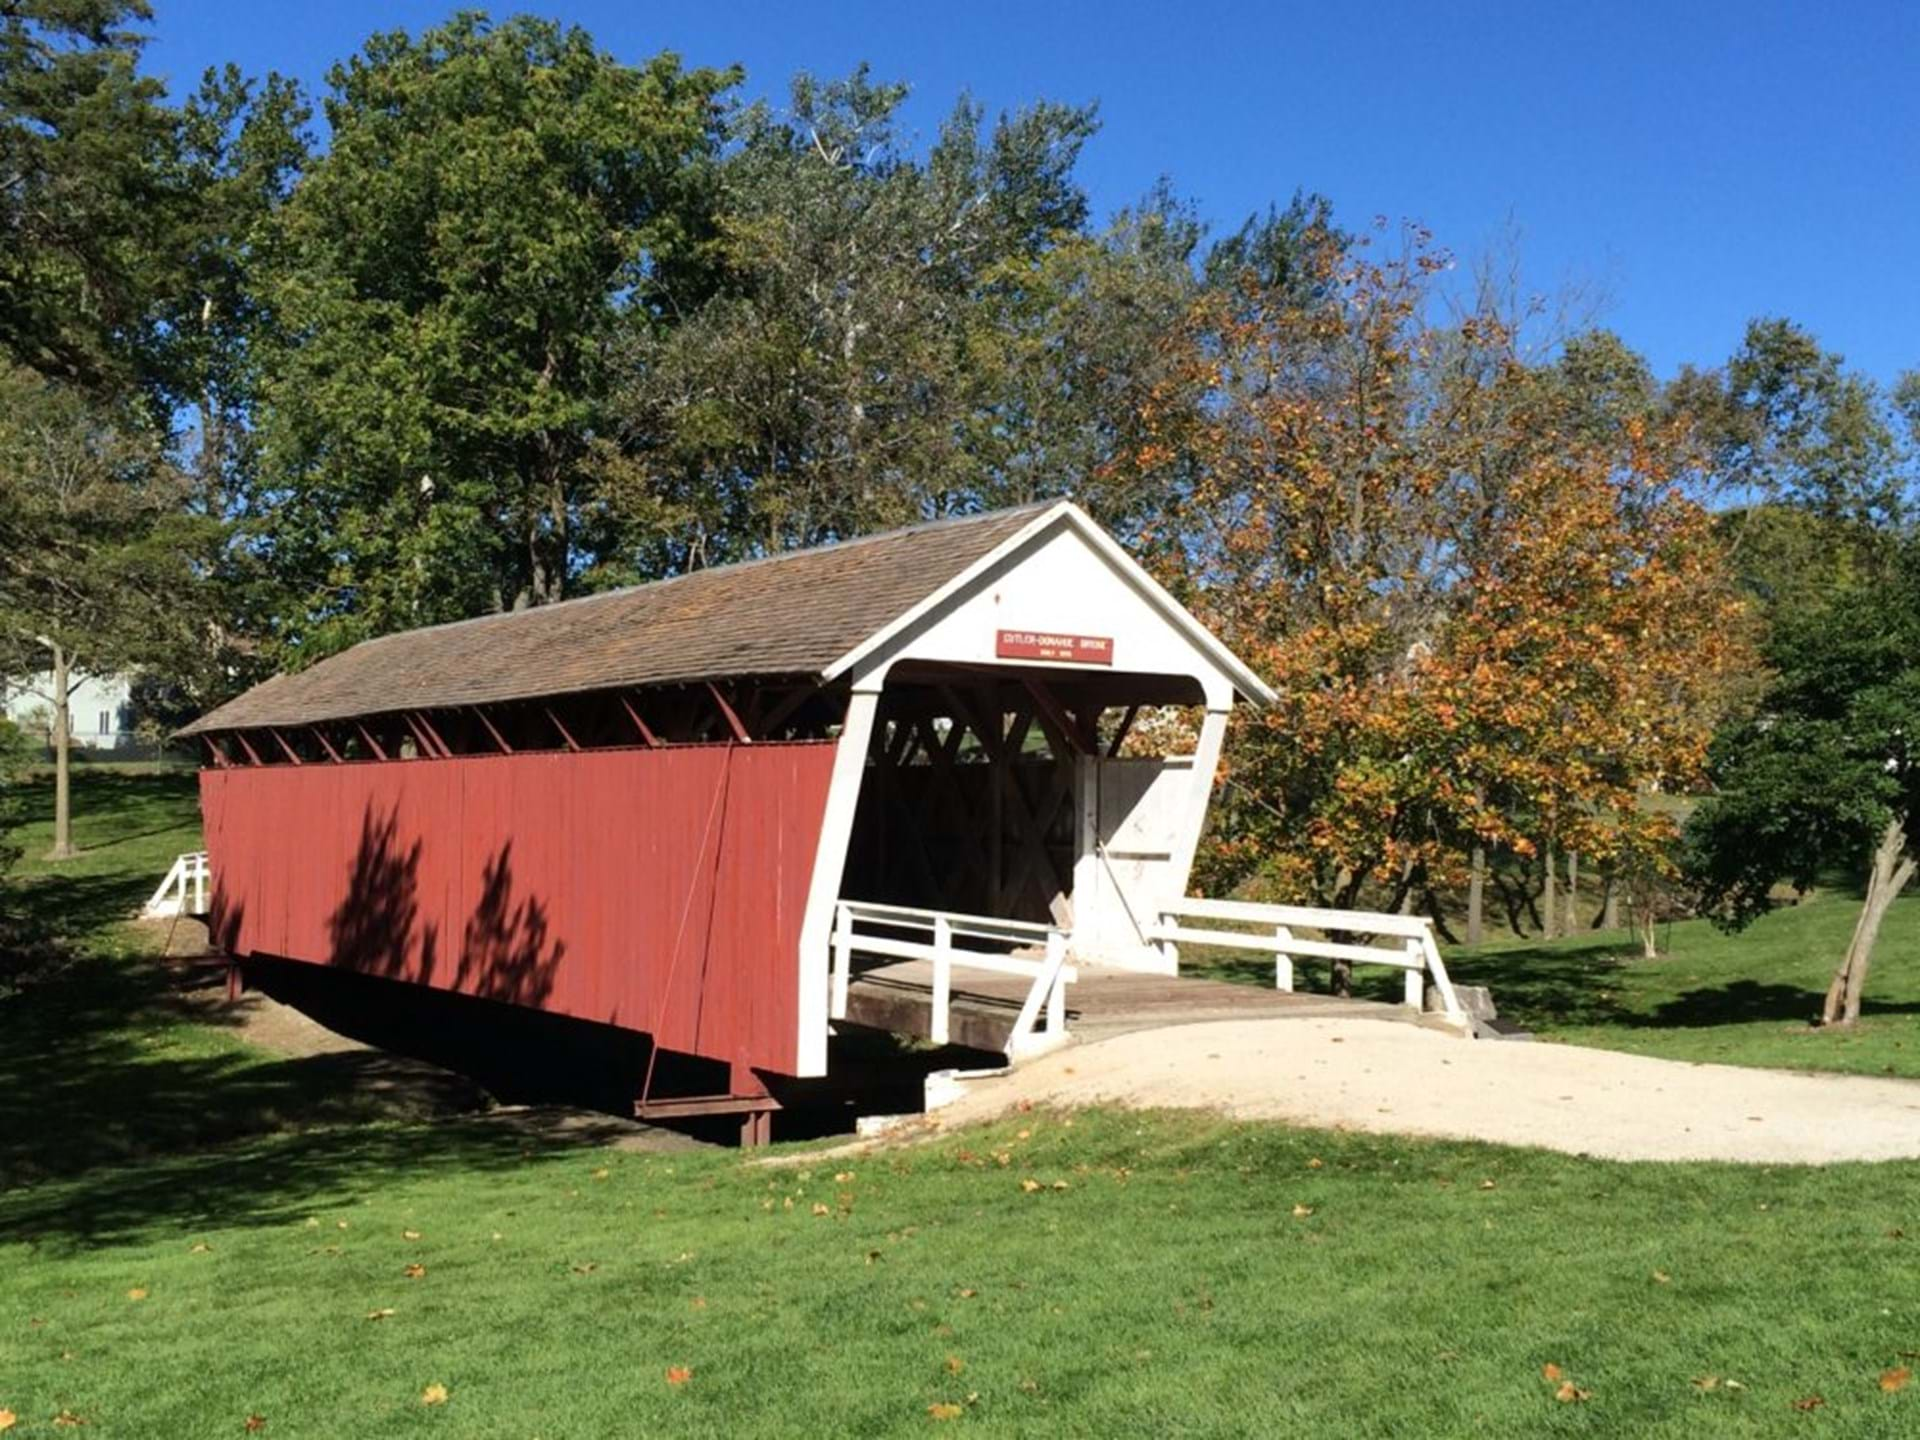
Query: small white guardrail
[(854, 924), (1403, 942), (183, 892)]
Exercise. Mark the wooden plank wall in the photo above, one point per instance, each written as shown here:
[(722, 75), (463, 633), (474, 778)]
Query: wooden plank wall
[(659, 890)]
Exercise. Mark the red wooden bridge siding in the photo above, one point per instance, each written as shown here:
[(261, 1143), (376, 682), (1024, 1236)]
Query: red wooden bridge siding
[(660, 890)]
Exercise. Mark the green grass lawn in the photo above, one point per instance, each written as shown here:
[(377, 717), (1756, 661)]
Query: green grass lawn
[(1158, 1280), (129, 822), (193, 1233), (1742, 999)]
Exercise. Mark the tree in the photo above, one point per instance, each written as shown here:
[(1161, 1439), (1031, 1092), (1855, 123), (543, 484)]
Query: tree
[(892, 336), (1495, 613), (87, 198), (441, 289), (99, 566), (1823, 774)]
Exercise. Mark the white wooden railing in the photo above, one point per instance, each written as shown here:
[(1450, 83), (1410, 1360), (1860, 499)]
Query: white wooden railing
[(183, 892), (1405, 941), (856, 921)]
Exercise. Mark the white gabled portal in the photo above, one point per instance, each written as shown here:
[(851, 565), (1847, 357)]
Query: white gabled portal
[(971, 777)]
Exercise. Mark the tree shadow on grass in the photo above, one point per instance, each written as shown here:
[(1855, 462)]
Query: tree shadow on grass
[(69, 907), (1579, 985), (101, 791), (268, 1180)]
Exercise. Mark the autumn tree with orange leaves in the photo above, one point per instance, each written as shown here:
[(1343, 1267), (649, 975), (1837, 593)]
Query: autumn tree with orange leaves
[(1496, 617)]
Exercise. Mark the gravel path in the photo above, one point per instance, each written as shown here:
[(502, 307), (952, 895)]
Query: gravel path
[(1401, 1079)]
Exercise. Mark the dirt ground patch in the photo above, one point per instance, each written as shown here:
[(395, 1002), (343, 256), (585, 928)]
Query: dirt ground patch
[(1401, 1079)]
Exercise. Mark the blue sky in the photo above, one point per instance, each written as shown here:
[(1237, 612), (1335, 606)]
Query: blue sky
[(1686, 166)]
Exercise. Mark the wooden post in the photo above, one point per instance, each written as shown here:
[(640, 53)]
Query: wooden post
[(1415, 989), (1282, 962), (823, 887), (842, 962), (1057, 993), (942, 977)]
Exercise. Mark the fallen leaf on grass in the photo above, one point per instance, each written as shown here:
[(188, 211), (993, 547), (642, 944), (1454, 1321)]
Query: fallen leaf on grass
[(586, 1269), (409, 1234), (256, 1423), (821, 1210), (199, 1247), (1300, 1212), (1029, 1186), (1809, 1402), (1570, 1393), (381, 1314), (679, 1374), (699, 1302), (955, 1364), (415, 1271), (944, 1410), (1895, 1379), (841, 1177), (1315, 1163), (1550, 1371), (434, 1394), (1487, 1185), (137, 1293), (1661, 1277), (1706, 1382), (67, 1418), (968, 1294), (8, 1419)]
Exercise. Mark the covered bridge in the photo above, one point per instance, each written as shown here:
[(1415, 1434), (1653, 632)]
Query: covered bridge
[(683, 808)]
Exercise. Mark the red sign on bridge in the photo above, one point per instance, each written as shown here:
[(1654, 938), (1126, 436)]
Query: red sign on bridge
[(1046, 645)]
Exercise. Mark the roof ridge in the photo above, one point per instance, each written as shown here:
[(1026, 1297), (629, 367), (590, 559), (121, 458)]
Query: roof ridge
[(731, 567)]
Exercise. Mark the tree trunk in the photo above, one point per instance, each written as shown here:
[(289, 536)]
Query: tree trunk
[(1610, 903), (1549, 900), (1476, 895), (1573, 892), (62, 757), (1892, 869)]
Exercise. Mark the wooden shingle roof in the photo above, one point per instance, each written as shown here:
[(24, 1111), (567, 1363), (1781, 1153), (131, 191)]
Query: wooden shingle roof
[(792, 614)]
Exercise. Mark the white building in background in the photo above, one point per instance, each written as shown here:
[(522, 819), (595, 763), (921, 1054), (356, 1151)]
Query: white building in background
[(101, 706)]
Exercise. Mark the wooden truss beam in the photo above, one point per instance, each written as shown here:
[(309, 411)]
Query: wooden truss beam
[(492, 730), (733, 719), (646, 733), (379, 750), (565, 734)]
